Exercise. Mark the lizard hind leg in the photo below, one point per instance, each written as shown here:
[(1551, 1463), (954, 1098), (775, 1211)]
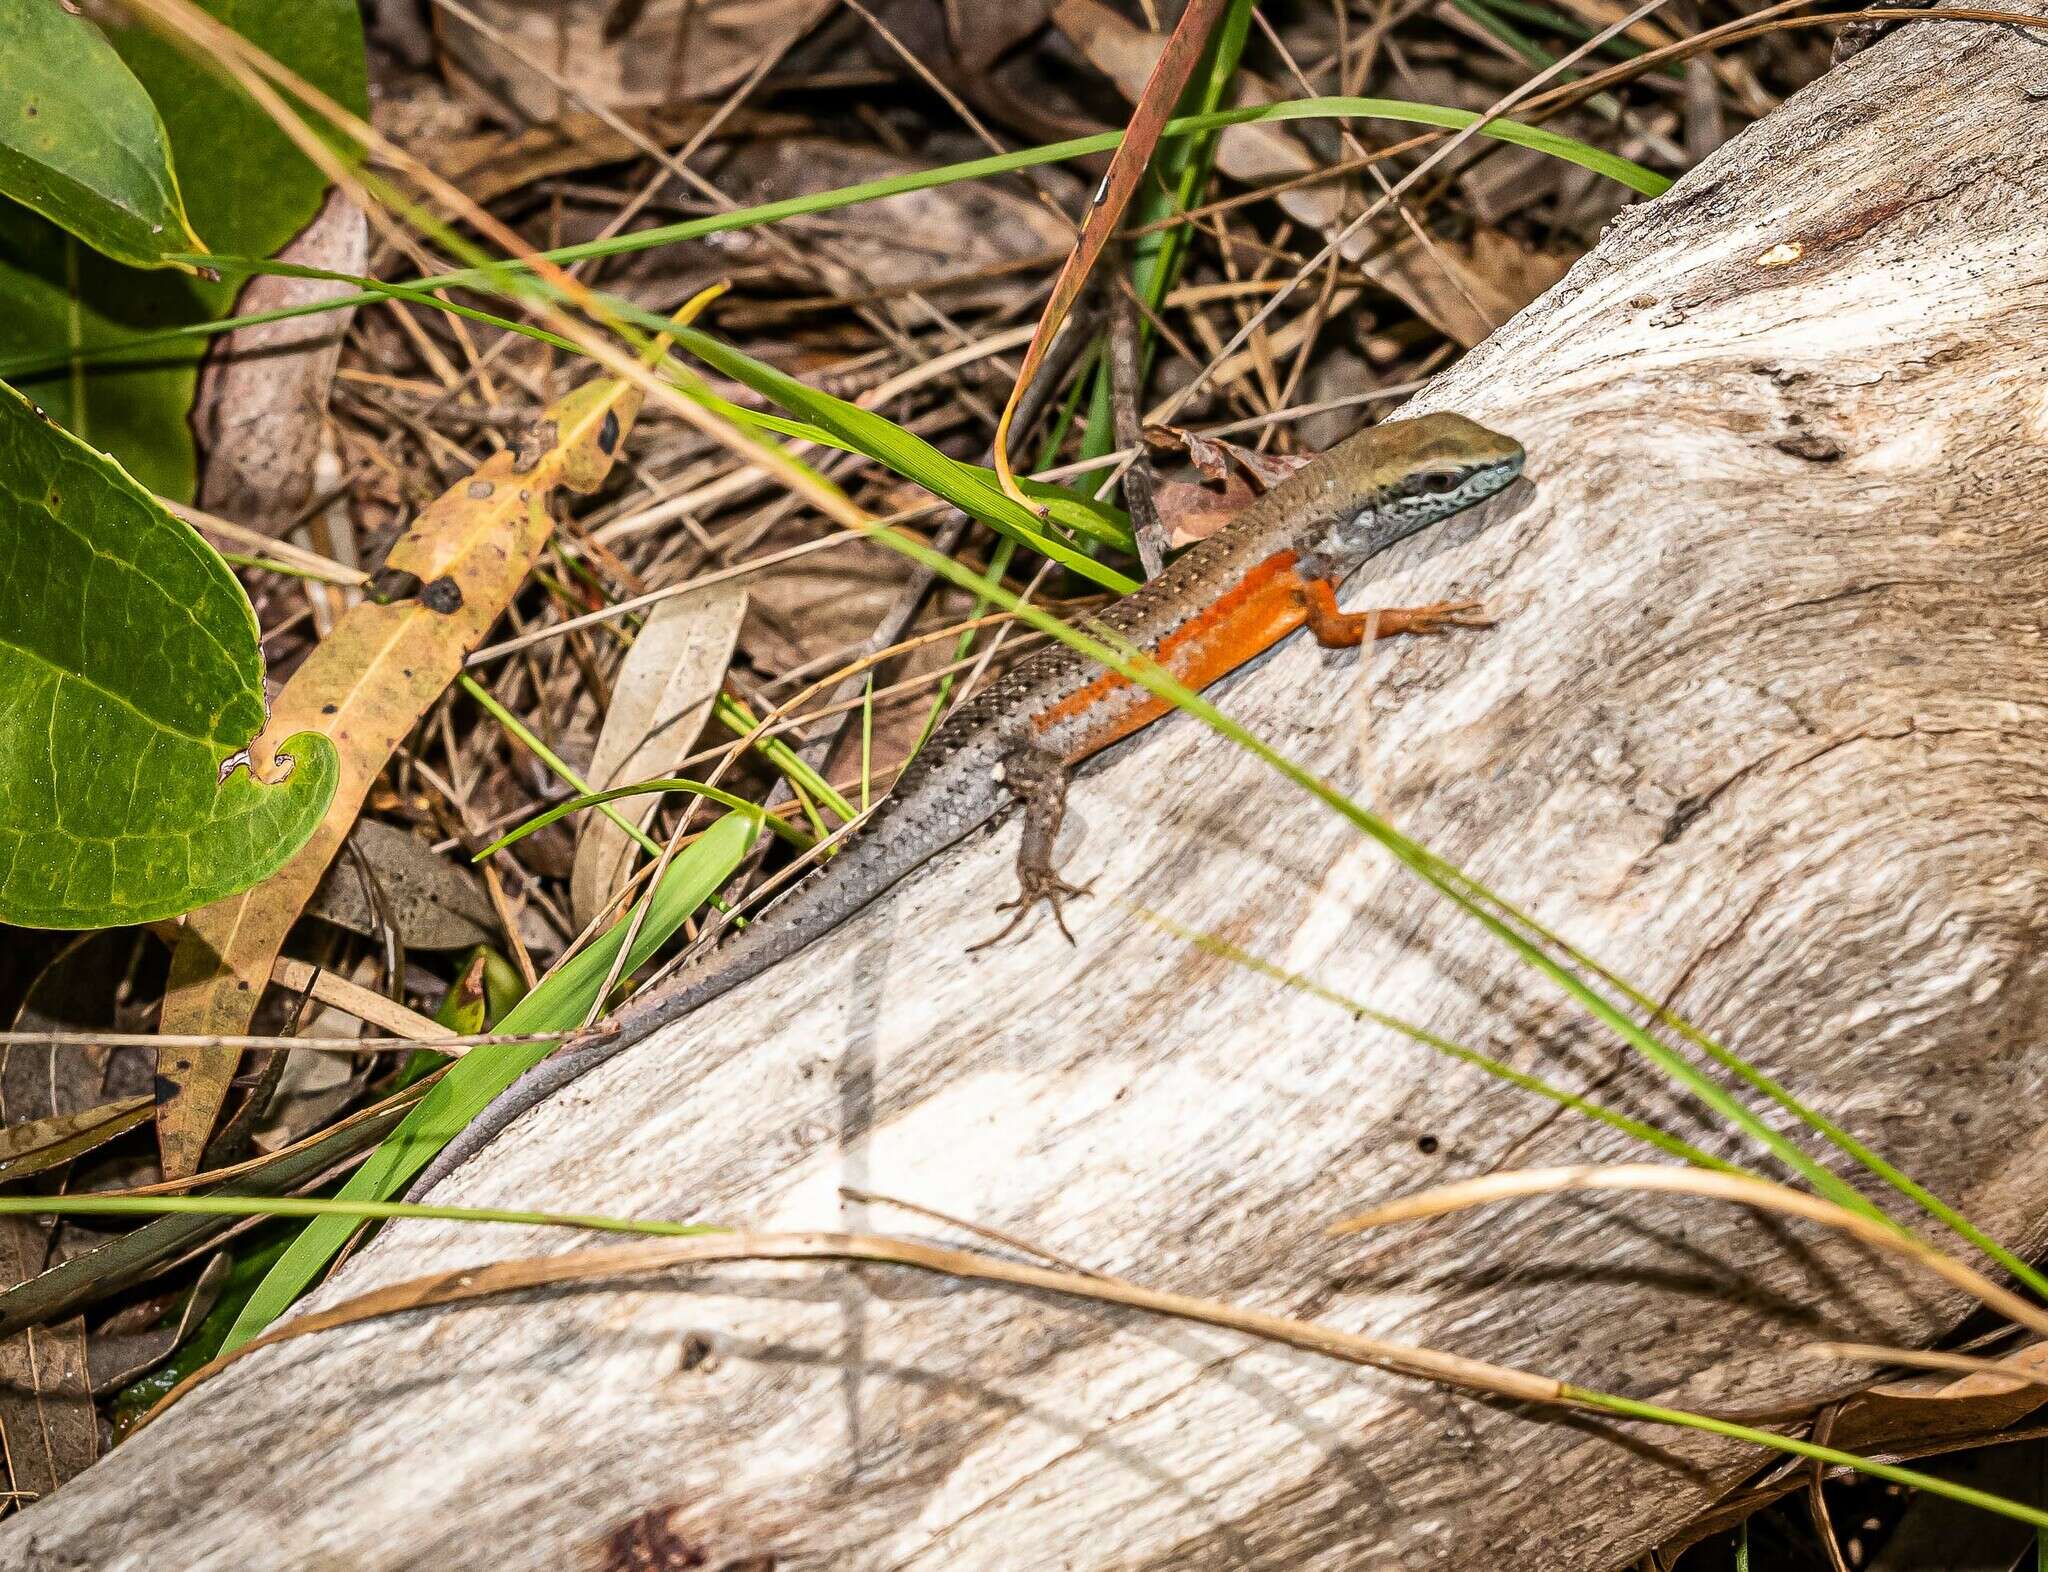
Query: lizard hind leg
[(1038, 778)]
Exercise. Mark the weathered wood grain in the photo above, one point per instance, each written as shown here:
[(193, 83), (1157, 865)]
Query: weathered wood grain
[(1761, 725)]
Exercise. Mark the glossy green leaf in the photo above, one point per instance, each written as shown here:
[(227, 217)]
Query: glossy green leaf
[(559, 1004), (249, 192), (80, 140), (248, 188), (129, 674), (55, 293)]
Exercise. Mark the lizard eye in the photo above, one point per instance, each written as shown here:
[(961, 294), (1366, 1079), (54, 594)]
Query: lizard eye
[(1438, 482)]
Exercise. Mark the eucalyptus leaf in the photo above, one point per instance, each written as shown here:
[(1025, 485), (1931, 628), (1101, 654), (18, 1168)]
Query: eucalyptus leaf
[(80, 139), (47, 1143), (129, 675)]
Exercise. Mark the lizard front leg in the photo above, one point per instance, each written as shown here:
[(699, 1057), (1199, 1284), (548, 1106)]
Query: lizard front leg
[(1334, 629), (1038, 778)]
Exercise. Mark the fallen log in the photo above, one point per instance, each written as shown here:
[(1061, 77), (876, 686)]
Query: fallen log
[(1760, 726)]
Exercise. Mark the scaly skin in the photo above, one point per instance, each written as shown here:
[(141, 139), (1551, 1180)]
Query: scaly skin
[(1271, 570)]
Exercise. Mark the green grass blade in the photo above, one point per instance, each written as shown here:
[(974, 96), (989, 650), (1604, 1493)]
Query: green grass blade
[(1637, 1129), (1629, 1408), (1872, 1161), (540, 750), (803, 780), (1070, 509), (560, 1003), (1634, 176), (888, 444), (541, 821)]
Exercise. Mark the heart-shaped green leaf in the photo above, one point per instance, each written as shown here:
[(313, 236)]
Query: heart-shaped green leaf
[(81, 142), (129, 675), (249, 190)]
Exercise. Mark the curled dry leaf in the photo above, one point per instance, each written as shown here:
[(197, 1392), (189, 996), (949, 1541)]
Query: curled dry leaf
[(660, 703), (365, 686), (1214, 456), (262, 394), (667, 50), (1268, 469), (1205, 453), (1899, 1419), (1189, 512)]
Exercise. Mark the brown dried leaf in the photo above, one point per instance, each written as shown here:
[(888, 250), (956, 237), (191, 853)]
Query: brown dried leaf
[(1153, 105), (1189, 512), (1465, 289), (1205, 453), (47, 1421), (262, 394), (1267, 469), (660, 703), (672, 49), (365, 686), (433, 901), (1895, 1421), (1911, 1412), (47, 1424)]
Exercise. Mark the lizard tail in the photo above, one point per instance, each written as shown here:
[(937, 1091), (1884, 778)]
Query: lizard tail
[(750, 952), (807, 914)]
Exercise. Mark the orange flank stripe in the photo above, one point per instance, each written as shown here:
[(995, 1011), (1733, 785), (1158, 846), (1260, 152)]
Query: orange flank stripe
[(1256, 613)]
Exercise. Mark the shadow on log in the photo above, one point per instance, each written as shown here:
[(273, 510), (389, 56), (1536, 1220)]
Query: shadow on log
[(1761, 726)]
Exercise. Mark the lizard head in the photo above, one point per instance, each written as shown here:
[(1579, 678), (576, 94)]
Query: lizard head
[(1401, 476)]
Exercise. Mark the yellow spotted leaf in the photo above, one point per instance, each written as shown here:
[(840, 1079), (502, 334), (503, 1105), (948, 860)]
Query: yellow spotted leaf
[(367, 685)]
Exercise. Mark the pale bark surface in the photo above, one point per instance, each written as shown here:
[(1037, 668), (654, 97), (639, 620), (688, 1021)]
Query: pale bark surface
[(1761, 725)]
